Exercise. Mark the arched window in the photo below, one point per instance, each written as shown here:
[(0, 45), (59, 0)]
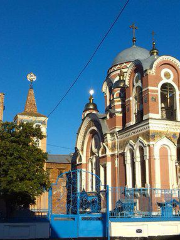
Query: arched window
[(143, 167), (138, 111), (168, 104)]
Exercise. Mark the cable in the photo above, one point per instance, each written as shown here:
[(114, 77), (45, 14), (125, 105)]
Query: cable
[(90, 59), (60, 146)]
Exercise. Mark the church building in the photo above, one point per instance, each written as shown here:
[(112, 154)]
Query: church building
[(55, 164), (135, 142)]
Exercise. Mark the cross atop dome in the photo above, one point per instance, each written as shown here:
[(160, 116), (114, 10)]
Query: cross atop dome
[(153, 51), (31, 77), (133, 27)]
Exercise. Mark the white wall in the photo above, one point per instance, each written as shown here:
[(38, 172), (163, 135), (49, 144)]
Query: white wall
[(129, 229), (24, 230)]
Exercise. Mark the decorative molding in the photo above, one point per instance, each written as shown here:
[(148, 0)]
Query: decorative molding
[(88, 123), (163, 58), (132, 66), (159, 125), (118, 67)]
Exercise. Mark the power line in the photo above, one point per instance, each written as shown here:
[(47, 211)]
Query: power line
[(60, 147), (90, 59)]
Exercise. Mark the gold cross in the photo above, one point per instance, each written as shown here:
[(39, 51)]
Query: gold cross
[(133, 27)]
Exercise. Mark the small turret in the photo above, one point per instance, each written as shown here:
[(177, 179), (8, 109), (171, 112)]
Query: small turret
[(154, 51), (90, 107)]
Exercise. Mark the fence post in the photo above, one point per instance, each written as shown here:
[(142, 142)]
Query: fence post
[(78, 201), (50, 203), (107, 213)]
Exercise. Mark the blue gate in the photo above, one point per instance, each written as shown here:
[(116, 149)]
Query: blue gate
[(78, 206)]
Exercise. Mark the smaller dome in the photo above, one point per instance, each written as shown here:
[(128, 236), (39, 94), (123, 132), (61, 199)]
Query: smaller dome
[(131, 54), (90, 105)]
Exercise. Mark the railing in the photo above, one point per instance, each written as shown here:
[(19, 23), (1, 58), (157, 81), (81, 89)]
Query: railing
[(139, 116), (169, 114), (144, 202)]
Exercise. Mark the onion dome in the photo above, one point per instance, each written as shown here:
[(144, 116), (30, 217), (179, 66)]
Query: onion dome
[(154, 51), (131, 54), (90, 105)]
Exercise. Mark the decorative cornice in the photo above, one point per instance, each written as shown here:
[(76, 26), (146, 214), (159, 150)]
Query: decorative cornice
[(118, 67), (149, 125), (163, 58)]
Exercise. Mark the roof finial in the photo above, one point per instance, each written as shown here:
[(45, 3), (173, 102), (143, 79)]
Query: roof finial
[(31, 77), (133, 27), (153, 51), (91, 96)]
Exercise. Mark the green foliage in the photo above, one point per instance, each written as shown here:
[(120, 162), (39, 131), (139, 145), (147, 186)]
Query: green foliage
[(22, 174)]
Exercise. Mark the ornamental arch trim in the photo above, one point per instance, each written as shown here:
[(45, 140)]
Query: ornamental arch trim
[(163, 58), (131, 68), (129, 146), (142, 143), (90, 121)]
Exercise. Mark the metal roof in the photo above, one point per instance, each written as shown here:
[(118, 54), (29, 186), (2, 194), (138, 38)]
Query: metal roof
[(59, 158), (131, 54)]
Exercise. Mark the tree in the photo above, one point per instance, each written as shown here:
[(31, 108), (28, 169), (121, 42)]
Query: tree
[(22, 174)]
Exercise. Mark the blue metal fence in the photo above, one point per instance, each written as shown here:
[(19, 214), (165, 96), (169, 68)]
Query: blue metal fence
[(79, 208), (144, 202)]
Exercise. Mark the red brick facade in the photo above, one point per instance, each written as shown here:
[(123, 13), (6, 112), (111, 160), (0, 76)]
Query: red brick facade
[(135, 143)]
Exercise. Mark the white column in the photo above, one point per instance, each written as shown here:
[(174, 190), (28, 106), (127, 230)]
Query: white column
[(147, 172), (138, 173), (108, 177), (102, 176)]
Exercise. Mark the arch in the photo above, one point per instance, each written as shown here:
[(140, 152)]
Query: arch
[(142, 163), (163, 58), (137, 99), (91, 155), (89, 122), (172, 155), (131, 68), (130, 165), (142, 143), (176, 99)]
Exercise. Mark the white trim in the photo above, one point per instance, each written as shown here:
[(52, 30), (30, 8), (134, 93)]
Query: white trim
[(84, 154), (169, 71), (150, 88), (143, 144), (129, 149), (150, 115), (163, 58)]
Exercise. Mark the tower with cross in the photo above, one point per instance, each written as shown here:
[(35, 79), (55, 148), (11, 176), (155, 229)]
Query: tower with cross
[(134, 28)]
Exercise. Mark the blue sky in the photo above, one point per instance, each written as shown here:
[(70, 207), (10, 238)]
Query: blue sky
[(54, 39)]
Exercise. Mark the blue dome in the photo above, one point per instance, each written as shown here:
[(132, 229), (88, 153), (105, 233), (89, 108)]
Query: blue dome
[(131, 54)]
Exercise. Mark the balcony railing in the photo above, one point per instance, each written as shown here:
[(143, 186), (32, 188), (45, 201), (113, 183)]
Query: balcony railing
[(169, 114), (139, 116)]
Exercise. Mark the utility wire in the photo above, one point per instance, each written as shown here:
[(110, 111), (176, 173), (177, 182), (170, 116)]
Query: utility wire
[(60, 146), (90, 59)]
